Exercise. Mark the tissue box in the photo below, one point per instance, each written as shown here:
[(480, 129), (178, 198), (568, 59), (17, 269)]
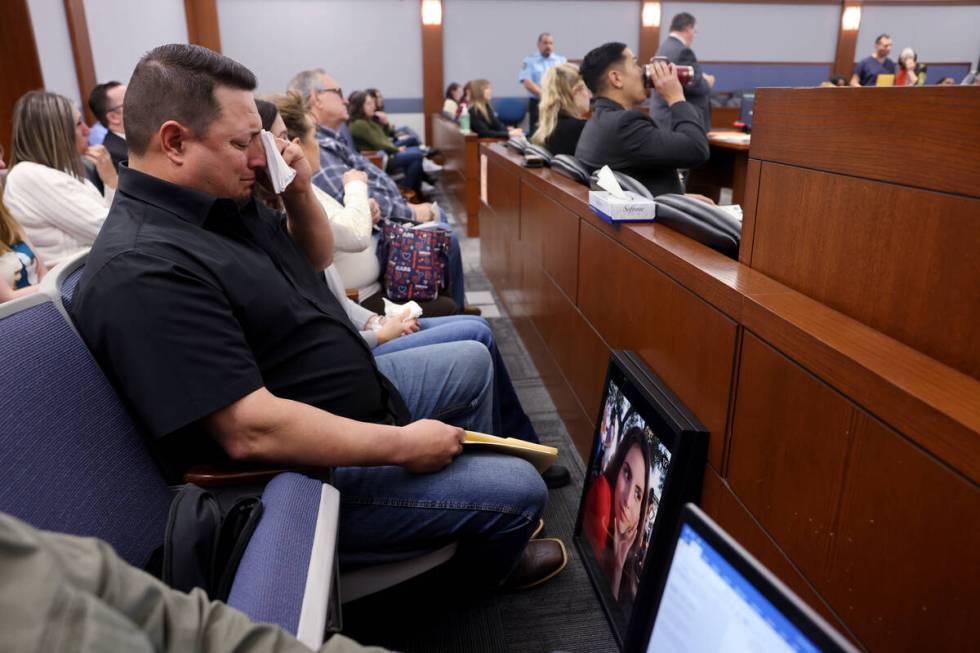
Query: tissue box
[(634, 208)]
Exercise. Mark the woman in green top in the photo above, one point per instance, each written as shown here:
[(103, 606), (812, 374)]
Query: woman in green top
[(370, 135)]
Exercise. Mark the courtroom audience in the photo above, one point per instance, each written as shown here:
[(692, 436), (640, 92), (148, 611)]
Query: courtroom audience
[(484, 121), (326, 103), (370, 135), (20, 267), (355, 247), (387, 335), (106, 103), (454, 94), (277, 372), (677, 49), (46, 189), (867, 71), (400, 134), (908, 69), (564, 105), (621, 136)]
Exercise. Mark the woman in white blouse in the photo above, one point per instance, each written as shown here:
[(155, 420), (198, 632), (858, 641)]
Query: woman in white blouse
[(46, 190)]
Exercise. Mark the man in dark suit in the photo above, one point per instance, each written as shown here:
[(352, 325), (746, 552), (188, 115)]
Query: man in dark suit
[(628, 140), (677, 49), (106, 102)]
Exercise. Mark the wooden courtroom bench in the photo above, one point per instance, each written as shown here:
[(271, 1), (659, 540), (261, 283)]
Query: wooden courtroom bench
[(836, 364), (461, 170)]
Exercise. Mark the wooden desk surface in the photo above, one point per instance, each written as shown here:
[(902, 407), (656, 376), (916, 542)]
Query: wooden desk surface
[(729, 140)]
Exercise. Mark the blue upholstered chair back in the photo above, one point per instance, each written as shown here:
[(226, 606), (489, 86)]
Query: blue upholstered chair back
[(71, 457), (69, 285), (510, 110)]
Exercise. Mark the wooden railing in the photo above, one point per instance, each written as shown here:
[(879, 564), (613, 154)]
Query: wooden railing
[(845, 429)]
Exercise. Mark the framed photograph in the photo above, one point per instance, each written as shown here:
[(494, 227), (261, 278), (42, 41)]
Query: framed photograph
[(647, 461)]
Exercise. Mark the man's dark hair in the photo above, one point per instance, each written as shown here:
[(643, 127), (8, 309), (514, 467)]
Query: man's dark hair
[(177, 82), (98, 100), (597, 62), (881, 36), (681, 22), (542, 35), (838, 80)]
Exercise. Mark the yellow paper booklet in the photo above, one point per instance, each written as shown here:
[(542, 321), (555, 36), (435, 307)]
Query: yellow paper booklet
[(539, 455)]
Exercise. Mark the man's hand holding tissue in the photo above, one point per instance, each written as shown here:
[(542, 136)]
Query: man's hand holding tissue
[(307, 222)]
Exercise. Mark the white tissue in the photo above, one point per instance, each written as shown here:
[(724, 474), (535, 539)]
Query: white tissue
[(607, 182), (280, 174), (394, 310)]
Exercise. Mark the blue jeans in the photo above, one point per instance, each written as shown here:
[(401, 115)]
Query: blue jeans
[(509, 418), (410, 162), (489, 504), (406, 139)]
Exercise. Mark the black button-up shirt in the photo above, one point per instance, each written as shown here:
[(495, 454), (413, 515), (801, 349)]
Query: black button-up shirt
[(190, 303)]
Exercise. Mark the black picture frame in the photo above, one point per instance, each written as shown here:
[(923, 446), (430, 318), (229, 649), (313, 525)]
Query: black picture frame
[(676, 452)]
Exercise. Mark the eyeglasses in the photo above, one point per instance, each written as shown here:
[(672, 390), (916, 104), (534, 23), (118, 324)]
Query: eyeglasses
[(114, 109), (339, 91)]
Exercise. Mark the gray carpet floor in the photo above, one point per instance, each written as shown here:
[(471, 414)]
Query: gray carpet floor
[(436, 611)]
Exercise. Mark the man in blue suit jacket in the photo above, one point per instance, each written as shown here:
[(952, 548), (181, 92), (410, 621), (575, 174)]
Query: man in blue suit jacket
[(677, 49)]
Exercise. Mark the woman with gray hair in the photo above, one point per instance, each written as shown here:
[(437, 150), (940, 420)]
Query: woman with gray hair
[(46, 190), (908, 69)]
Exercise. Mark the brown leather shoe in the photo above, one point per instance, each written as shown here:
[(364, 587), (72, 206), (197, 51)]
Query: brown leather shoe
[(541, 561), (471, 310)]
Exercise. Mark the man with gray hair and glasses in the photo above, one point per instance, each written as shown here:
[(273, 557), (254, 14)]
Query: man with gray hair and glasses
[(327, 105)]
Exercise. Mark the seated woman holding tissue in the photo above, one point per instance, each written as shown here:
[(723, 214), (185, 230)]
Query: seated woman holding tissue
[(399, 329), (356, 256)]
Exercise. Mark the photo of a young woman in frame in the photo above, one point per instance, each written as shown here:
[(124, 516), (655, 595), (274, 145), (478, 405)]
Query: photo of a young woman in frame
[(624, 490)]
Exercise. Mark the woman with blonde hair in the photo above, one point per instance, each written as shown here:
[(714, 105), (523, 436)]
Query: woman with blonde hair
[(483, 119), (564, 105), (47, 190), (20, 267)]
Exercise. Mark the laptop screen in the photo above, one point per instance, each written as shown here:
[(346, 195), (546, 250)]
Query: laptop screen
[(716, 598)]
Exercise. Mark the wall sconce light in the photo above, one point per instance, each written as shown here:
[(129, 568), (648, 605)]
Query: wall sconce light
[(851, 19), (432, 12), (651, 14)]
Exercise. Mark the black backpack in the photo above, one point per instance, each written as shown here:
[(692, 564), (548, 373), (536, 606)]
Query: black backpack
[(204, 542)]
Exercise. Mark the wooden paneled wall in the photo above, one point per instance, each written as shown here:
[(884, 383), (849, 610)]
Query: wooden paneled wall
[(460, 176), (20, 65), (845, 433)]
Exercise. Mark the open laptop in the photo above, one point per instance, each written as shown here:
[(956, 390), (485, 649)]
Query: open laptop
[(717, 597)]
